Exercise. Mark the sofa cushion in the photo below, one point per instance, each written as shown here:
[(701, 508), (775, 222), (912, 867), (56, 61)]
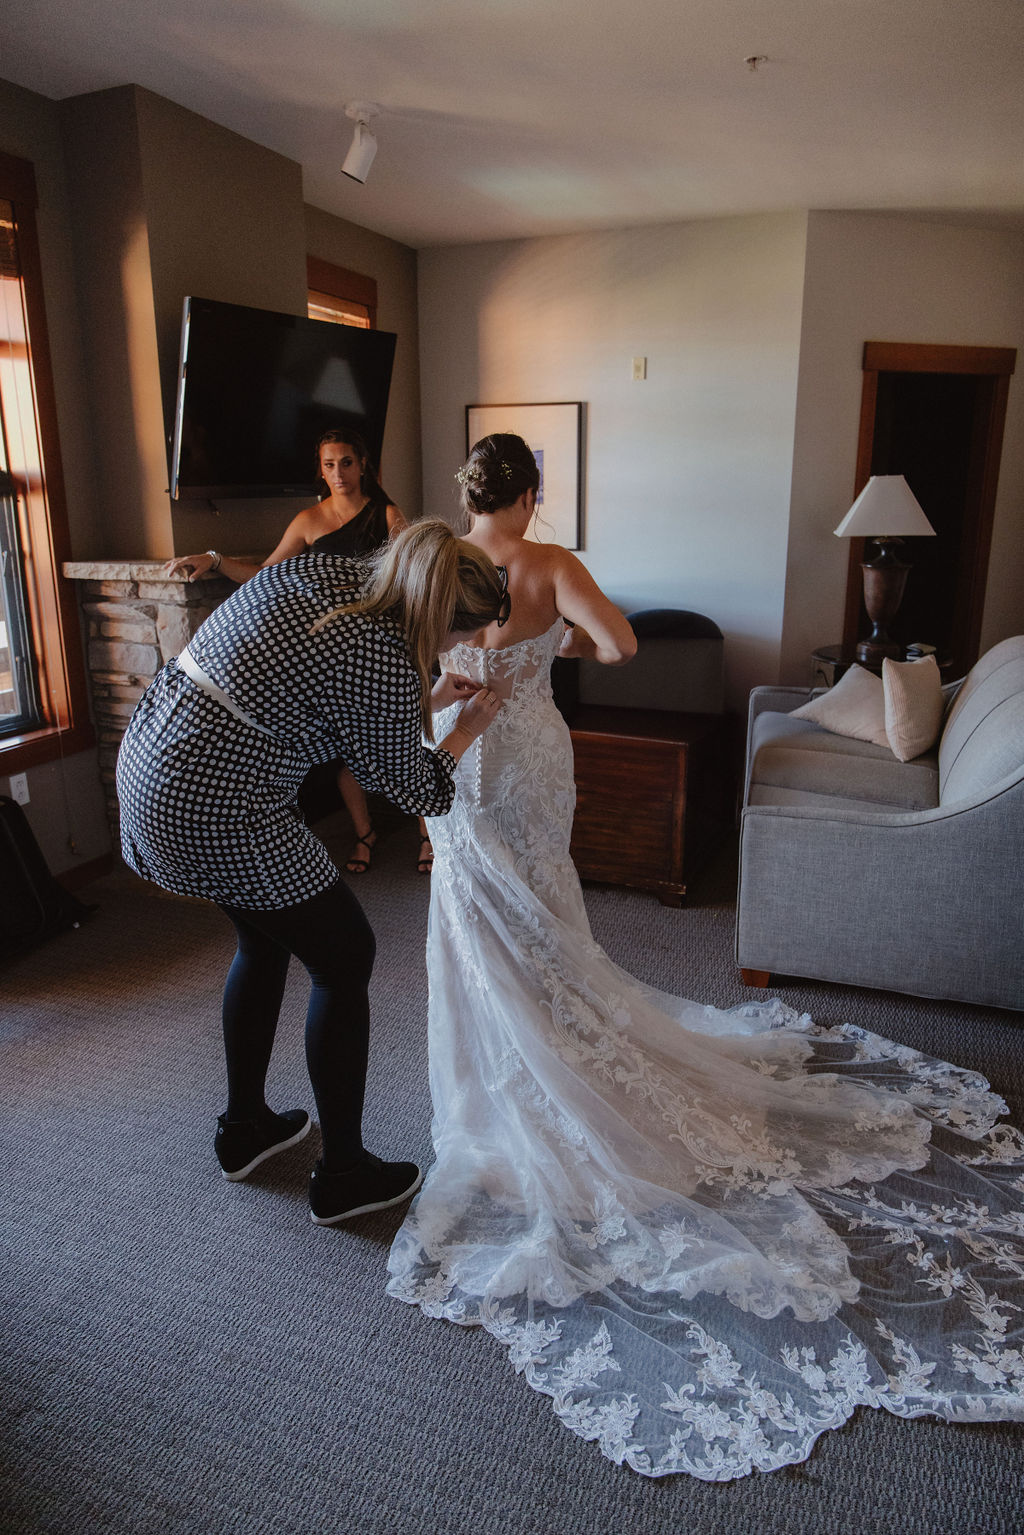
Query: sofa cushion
[(983, 741), (914, 705), (854, 707), (793, 755)]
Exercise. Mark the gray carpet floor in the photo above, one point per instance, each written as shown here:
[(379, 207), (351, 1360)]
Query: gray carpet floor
[(181, 1354)]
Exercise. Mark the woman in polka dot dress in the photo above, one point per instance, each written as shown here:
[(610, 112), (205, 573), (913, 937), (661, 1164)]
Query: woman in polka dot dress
[(315, 658)]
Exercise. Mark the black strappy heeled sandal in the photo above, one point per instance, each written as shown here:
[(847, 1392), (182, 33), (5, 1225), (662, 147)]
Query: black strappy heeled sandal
[(353, 863), (425, 862)]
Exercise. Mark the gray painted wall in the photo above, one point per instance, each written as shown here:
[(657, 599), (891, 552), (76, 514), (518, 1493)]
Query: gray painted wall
[(877, 278), (688, 472), (716, 484)]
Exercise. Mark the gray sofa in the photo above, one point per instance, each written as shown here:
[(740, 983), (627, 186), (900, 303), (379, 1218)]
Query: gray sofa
[(858, 868)]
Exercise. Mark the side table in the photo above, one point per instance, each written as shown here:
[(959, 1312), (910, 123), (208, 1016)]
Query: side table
[(654, 795), (829, 662)]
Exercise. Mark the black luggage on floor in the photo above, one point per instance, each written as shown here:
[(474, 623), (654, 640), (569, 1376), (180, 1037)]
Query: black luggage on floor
[(32, 903)]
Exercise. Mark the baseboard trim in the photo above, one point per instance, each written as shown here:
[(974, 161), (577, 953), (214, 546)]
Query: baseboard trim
[(85, 873)]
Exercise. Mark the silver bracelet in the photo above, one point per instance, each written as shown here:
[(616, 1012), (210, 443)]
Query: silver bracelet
[(216, 558)]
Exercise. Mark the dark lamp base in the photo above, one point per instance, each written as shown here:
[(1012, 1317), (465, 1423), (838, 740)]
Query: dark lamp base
[(873, 653), (884, 580)]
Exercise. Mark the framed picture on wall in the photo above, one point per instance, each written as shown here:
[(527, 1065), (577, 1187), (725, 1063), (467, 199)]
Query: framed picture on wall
[(554, 433)]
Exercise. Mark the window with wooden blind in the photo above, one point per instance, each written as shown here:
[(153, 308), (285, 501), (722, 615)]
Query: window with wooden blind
[(19, 706), (338, 311), (339, 295), (43, 706)]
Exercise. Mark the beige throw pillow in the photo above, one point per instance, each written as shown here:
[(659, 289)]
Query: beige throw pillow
[(855, 707), (913, 705)]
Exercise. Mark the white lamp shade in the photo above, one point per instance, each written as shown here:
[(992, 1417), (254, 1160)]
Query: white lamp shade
[(885, 508)]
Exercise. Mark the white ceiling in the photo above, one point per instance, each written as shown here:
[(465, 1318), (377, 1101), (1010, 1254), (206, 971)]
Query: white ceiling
[(504, 118)]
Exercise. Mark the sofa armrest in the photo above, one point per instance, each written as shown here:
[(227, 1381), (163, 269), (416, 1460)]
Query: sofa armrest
[(781, 700), (778, 700), (913, 901)]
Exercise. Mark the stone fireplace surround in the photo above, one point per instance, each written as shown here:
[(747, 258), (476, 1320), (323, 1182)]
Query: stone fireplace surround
[(135, 619)]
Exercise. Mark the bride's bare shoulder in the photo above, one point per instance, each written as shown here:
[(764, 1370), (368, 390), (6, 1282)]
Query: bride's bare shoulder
[(542, 557)]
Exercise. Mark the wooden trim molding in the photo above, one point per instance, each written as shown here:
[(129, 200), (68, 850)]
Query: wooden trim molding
[(18, 181), (862, 473), (986, 453), (52, 602), (340, 282), (921, 357), (993, 363)]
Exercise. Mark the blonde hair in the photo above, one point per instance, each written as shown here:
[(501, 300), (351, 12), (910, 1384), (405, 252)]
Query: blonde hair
[(432, 583)]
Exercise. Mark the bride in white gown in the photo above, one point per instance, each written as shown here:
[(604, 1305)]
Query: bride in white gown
[(707, 1236)]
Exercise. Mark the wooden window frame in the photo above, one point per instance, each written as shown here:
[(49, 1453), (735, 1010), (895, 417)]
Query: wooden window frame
[(51, 599), (340, 282)]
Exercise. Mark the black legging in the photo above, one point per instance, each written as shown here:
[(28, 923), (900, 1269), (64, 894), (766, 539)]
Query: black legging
[(332, 938)]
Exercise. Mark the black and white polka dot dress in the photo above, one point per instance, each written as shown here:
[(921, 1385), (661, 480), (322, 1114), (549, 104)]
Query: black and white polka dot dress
[(208, 801)]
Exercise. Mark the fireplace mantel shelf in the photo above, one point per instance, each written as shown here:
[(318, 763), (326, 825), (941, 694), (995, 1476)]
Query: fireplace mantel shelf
[(120, 570)]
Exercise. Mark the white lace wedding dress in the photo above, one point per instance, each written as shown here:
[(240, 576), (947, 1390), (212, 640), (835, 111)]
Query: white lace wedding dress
[(707, 1236)]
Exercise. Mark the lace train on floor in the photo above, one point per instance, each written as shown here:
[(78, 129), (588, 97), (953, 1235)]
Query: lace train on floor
[(708, 1236)]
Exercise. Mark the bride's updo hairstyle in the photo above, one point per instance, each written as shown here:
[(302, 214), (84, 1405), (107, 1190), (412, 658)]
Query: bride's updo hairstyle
[(497, 472), (432, 583)]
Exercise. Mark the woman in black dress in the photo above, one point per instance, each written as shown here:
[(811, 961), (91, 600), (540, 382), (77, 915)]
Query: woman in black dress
[(355, 517), (313, 659)]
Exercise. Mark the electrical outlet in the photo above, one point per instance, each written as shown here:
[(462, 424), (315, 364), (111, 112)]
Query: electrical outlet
[(639, 369), (19, 788)]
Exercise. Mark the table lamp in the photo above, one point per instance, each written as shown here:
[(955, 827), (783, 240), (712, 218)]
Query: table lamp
[(887, 511)]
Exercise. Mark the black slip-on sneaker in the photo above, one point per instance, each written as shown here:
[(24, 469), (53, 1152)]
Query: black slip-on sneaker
[(242, 1144), (370, 1185)]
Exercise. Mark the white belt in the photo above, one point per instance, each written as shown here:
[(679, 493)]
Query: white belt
[(190, 666)]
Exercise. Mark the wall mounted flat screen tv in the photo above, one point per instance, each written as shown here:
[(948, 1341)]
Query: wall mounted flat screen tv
[(257, 389)]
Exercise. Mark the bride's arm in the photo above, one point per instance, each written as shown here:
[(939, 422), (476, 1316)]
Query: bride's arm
[(601, 632)]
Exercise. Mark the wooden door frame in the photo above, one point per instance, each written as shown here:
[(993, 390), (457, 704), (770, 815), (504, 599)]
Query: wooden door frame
[(995, 362)]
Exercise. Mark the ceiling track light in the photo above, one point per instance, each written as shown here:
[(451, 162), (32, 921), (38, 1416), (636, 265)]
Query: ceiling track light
[(754, 60), (364, 146)]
